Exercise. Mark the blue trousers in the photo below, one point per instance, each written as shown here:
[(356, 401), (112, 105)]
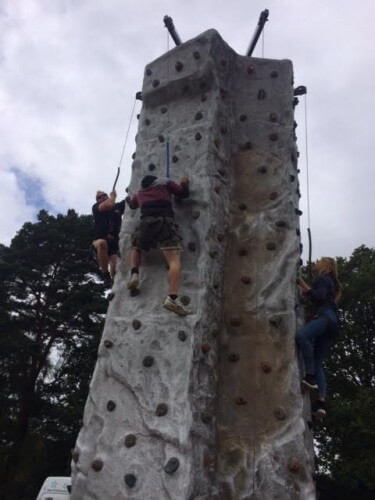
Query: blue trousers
[(315, 340)]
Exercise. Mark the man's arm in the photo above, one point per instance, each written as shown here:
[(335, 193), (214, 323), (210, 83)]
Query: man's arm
[(180, 190), (108, 203)]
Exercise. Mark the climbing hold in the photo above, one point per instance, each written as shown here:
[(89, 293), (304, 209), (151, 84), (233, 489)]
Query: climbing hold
[(111, 405), (130, 480), (133, 156), (174, 159), (163, 110), (295, 102), (292, 178), (178, 66), (243, 118), (280, 413), (262, 170), (204, 97), (242, 252), (97, 465), (250, 69), (205, 348), (151, 167), (130, 440), (235, 322), (185, 300), (247, 145), (75, 456), (240, 401), (148, 72), (221, 171), (147, 121), (134, 292), (108, 344), (198, 116), (266, 367), (217, 189), (196, 54), (148, 361), (273, 195), (161, 410), (233, 357), (293, 466), (261, 94), (182, 336), (155, 83), (280, 223), (196, 214), (212, 254), (273, 117), (191, 246), (138, 116), (271, 245), (300, 262), (298, 232), (110, 296), (298, 212), (161, 138), (223, 130), (172, 465), (206, 417), (246, 280), (220, 237), (274, 74), (223, 62), (215, 286), (198, 136), (136, 324), (242, 206), (274, 136)]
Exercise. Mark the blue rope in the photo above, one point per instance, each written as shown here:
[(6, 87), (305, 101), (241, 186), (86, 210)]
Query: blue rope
[(167, 163)]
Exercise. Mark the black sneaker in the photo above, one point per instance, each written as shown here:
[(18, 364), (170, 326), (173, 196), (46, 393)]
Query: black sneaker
[(309, 382), (319, 409)]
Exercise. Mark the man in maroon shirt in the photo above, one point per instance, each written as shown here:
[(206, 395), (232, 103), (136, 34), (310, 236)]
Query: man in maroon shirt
[(158, 229)]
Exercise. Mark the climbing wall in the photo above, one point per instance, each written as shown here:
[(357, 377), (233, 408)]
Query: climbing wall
[(208, 405)]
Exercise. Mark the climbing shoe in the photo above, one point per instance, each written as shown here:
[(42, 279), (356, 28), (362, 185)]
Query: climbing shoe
[(309, 382), (133, 281), (176, 306), (319, 409)]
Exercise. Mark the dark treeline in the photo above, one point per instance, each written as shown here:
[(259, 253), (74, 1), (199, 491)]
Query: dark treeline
[(52, 310)]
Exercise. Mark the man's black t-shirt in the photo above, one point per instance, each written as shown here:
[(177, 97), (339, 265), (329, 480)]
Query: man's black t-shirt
[(108, 222)]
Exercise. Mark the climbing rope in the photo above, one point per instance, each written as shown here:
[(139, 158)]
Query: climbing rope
[(124, 146), (308, 191)]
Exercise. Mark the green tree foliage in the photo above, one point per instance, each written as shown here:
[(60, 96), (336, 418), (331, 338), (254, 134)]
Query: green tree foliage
[(51, 316), (346, 440)]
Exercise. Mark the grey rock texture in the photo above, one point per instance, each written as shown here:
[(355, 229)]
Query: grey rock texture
[(209, 405)]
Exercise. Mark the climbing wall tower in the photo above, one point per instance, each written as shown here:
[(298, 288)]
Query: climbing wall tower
[(209, 405)]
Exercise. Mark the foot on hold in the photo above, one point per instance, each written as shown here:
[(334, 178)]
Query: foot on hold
[(133, 281), (319, 409), (176, 306), (309, 382)]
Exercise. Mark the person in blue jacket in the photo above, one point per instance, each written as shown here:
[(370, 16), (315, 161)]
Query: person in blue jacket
[(316, 337)]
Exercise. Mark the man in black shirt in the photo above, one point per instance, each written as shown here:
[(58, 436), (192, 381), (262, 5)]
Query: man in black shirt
[(107, 215)]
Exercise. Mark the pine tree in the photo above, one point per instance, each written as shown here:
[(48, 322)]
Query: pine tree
[(51, 315)]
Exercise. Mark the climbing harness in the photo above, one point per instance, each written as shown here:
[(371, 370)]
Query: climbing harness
[(124, 146)]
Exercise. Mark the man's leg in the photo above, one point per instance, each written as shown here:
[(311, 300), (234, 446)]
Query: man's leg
[(172, 302), (112, 265), (174, 272), (135, 262), (101, 247)]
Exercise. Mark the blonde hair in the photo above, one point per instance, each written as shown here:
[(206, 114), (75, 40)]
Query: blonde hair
[(327, 265)]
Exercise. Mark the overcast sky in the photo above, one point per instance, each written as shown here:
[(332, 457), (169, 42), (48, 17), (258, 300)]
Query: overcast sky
[(70, 70)]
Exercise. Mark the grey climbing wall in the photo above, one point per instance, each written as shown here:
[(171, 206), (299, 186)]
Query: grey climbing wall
[(208, 405)]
